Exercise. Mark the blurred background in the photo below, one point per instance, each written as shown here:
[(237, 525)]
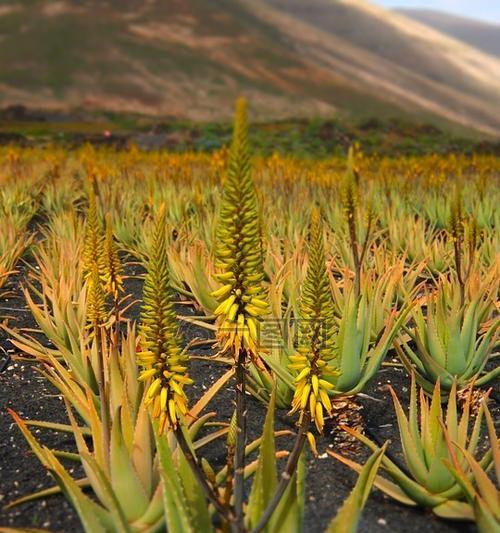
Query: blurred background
[(125, 64)]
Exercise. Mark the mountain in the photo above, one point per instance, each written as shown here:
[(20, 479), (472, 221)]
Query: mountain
[(191, 58), (482, 35)]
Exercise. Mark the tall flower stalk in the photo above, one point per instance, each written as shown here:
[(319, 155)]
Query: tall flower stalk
[(351, 205), (316, 335), (163, 361), (111, 268), (97, 318), (312, 362), (94, 238), (457, 223), (241, 298)]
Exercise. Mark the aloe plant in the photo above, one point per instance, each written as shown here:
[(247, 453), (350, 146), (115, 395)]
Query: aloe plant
[(123, 473), (362, 335), (480, 491), (358, 358), (289, 514), (426, 481), (453, 341), (193, 275), (15, 241), (125, 477)]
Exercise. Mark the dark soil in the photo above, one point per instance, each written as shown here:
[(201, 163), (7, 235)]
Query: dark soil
[(24, 390)]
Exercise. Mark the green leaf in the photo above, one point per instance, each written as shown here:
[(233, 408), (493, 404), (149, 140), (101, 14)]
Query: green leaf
[(349, 341), (142, 446), (44, 493), (94, 518), (265, 480), (434, 342), (412, 447), (124, 480), (456, 360), (289, 514), (195, 497), (387, 487), (347, 518), (454, 510), (175, 505), (114, 506), (485, 520)]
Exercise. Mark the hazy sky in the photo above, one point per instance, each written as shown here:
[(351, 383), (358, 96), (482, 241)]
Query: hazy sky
[(484, 9)]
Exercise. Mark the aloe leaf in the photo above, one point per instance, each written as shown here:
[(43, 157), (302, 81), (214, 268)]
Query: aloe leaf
[(451, 413), (66, 455), (487, 490), (175, 506), (154, 517), (387, 487), (62, 428), (489, 376), (486, 521), (251, 447), (411, 489), (84, 452), (111, 496), (94, 518), (436, 347), (350, 346), (409, 357), (141, 454), (265, 481), (462, 479), (257, 376), (100, 452), (412, 368), (419, 494), (203, 441), (476, 428), (481, 354), (456, 360), (44, 493), (434, 430), (195, 498), (124, 480), (279, 370), (413, 413), (439, 479), (210, 393), (289, 514), (23, 530), (393, 327), (469, 329), (347, 518), (493, 441), (364, 326), (116, 383), (412, 448), (454, 510), (435, 371), (196, 425), (127, 422), (61, 379)]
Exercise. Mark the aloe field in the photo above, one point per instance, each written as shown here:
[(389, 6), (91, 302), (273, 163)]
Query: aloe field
[(230, 342)]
